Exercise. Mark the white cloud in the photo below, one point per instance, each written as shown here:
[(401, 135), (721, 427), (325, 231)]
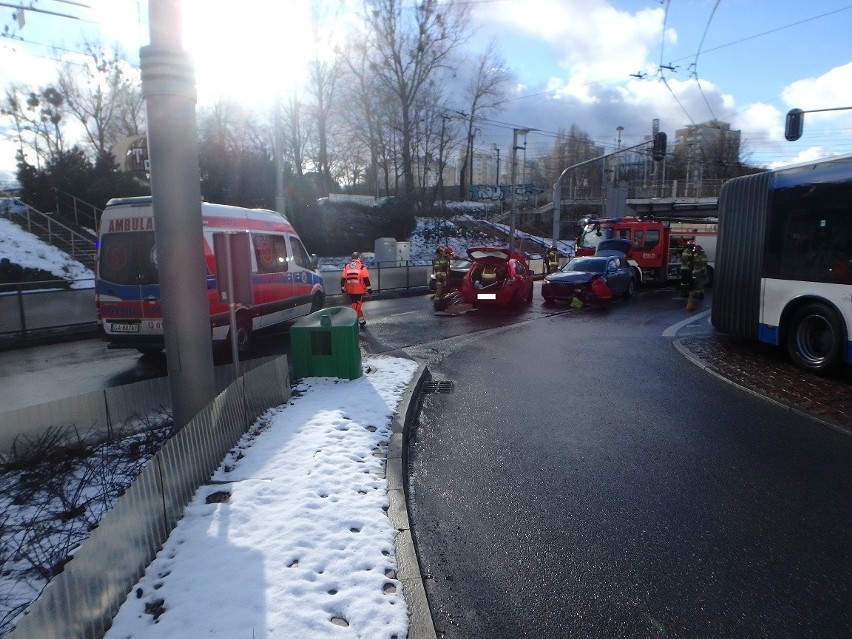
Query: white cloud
[(590, 39), (831, 89)]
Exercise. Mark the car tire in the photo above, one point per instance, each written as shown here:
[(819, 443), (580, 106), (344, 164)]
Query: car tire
[(631, 286), (317, 301), (815, 338), (244, 333), (548, 301)]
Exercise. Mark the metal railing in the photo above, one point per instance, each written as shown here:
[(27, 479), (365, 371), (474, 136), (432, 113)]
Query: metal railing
[(81, 601), (63, 237)]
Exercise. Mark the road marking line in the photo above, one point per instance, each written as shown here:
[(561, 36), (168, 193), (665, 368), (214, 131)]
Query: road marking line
[(672, 330)]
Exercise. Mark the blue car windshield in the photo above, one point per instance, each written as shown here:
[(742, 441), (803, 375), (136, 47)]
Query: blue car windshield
[(586, 265)]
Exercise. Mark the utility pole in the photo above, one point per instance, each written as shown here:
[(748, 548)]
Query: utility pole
[(168, 87), (515, 148), (278, 149), (497, 179), (619, 129)]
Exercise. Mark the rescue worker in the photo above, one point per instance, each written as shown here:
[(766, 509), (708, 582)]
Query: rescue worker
[(355, 282), (551, 260), (686, 268), (699, 271), (441, 269)]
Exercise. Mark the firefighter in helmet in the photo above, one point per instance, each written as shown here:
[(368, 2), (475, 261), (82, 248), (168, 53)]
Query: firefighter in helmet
[(355, 282), (551, 260), (441, 270), (687, 265), (699, 272)]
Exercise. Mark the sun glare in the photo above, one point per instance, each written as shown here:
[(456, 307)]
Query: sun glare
[(251, 51)]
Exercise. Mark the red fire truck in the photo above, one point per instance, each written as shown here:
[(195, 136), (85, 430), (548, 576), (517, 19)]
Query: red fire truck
[(656, 244)]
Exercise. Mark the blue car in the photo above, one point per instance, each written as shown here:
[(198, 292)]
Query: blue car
[(581, 279)]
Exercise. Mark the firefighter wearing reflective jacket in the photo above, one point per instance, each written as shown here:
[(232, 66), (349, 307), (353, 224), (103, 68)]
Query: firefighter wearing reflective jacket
[(551, 261), (699, 271), (687, 259), (355, 282), (441, 269)]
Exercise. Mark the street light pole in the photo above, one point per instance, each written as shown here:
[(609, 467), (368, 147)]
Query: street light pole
[(168, 87)]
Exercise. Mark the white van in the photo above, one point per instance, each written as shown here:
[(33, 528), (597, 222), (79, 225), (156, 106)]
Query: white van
[(285, 279)]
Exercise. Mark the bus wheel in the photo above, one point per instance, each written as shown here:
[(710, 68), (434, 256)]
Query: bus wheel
[(243, 333), (815, 339)]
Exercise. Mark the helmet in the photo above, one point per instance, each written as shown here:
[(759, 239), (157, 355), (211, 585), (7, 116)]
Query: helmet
[(553, 246), (439, 248), (690, 244), (448, 250), (356, 255), (697, 247)]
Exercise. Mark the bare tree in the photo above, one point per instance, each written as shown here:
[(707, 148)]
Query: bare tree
[(95, 93), (371, 115), (407, 53), (322, 83), (486, 91), (38, 120)]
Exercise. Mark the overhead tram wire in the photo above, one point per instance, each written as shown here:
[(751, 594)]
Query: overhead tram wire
[(662, 66), (698, 53), (770, 31)]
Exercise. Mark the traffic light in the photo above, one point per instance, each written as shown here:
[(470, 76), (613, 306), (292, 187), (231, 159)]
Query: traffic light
[(658, 152), (794, 125)]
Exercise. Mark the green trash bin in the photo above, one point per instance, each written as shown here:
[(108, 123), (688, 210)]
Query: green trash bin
[(325, 344)]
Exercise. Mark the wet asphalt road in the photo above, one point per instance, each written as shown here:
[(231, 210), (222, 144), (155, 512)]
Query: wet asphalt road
[(584, 479)]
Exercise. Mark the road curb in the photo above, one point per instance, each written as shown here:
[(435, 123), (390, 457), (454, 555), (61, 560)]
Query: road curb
[(420, 621), (708, 367)]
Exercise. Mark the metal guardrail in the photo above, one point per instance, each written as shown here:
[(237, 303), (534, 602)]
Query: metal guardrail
[(80, 602)]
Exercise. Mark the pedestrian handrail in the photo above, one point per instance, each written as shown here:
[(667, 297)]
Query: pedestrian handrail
[(52, 231), (91, 219)]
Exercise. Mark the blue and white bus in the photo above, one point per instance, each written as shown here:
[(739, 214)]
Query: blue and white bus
[(784, 261)]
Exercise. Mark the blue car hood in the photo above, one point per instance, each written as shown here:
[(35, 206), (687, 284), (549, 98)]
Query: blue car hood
[(572, 277)]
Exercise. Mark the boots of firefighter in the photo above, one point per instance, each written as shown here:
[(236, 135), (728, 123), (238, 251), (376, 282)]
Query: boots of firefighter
[(690, 303)]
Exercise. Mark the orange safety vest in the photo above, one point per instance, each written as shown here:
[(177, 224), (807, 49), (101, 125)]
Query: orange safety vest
[(354, 275)]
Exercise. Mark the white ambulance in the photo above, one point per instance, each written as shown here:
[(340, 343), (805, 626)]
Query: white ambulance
[(285, 281)]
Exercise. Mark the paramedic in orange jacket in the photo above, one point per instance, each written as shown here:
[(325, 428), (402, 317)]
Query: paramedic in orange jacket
[(354, 282)]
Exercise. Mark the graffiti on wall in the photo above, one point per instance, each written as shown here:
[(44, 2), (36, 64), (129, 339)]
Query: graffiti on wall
[(525, 194)]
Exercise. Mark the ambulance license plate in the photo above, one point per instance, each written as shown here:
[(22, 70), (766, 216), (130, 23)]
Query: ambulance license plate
[(124, 327)]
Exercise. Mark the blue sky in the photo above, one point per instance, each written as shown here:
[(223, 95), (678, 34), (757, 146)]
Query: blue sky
[(746, 62)]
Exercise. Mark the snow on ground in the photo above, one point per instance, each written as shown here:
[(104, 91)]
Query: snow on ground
[(302, 545), (27, 250)]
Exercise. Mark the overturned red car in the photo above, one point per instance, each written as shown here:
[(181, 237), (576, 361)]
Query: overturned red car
[(497, 277)]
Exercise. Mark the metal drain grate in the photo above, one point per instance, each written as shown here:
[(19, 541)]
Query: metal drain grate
[(439, 387)]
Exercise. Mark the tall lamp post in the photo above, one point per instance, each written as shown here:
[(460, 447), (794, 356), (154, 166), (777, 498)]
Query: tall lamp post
[(168, 86), (619, 129), (515, 148)]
